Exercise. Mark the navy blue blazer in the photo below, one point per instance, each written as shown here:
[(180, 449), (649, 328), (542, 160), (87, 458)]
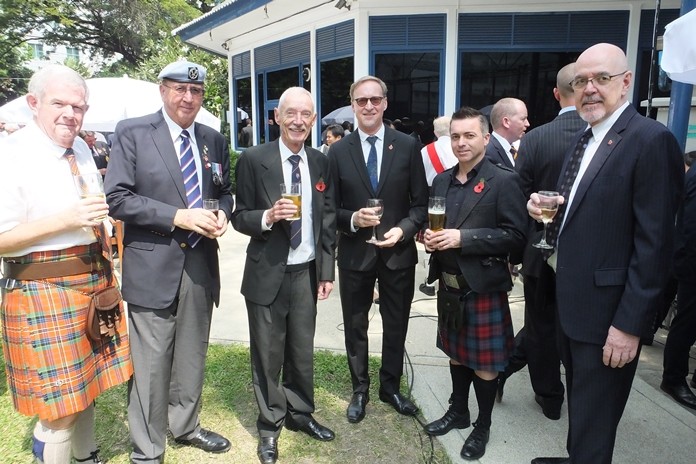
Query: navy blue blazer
[(614, 250)]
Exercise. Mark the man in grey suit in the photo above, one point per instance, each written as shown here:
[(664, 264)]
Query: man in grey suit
[(289, 265), (539, 164), (620, 187), (509, 121), (375, 161), (161, 167)]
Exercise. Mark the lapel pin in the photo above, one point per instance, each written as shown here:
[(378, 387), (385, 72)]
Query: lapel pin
[(391, 147)]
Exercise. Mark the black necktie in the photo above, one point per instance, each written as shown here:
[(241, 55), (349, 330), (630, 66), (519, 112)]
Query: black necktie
[(567, 180), (372, 162), (295, 226)]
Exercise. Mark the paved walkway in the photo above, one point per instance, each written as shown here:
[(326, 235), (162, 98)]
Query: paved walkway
[(654, 428)]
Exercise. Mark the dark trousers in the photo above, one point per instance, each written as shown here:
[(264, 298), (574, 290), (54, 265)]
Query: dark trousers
[(540, 340), (281, 338), (682, 335), (395, 295), (597, 396)]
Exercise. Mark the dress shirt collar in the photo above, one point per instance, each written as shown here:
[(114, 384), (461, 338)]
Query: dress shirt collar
[(175, 129), (567, 109), (600, 130), (286, 153), (364, 136)]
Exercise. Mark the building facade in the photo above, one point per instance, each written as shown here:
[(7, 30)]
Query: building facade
[(434, 56)]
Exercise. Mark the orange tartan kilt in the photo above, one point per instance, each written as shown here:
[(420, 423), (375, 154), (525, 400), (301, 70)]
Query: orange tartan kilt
[(53, 369)]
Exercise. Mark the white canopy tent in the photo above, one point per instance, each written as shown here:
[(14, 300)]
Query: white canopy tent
[(111, 99), (679, 49)]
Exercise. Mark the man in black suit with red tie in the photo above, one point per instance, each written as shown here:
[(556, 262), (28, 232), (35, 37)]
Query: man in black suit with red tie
[(621, 187), (539, 164), (375, 161)]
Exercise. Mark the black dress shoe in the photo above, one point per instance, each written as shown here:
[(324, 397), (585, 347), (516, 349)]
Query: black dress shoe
[(475, 445), (356, 408), (551, 461), (267, 451), (451, 420), (681, 393), (312, 428), (402, 404), (551, 407), (427, 289), (207, 440)]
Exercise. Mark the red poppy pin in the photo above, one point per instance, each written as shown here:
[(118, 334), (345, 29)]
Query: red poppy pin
[(478, 188), (321, 186)]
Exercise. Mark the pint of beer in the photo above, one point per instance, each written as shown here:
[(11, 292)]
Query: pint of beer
[(436, 213), (293, 192)]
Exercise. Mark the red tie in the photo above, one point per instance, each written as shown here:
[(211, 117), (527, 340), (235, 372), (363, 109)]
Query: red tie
[(100, 230)]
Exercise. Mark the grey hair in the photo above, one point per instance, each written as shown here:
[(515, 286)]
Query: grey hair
[(441, 125), (51, 72), (289, 90), (365, 79)]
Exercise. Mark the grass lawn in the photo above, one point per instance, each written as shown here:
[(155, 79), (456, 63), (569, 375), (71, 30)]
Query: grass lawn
[(229, 408)]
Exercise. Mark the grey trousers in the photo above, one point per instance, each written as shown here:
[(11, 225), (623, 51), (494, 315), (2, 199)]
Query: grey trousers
[(168, 349)]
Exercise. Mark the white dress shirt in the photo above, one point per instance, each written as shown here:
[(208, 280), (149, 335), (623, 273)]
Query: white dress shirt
[(36, 182)]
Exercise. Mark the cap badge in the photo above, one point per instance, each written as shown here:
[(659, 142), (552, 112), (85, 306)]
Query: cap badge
[(193, 73)]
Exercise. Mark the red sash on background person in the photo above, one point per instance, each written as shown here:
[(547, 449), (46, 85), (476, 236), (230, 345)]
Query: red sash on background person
[(435, 161)]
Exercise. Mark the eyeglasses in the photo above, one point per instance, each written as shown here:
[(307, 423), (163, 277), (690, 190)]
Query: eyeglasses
[(580, 83), (182, 89), (362, 101)]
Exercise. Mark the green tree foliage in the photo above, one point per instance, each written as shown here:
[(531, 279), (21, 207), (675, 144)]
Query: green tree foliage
[(137, 31)]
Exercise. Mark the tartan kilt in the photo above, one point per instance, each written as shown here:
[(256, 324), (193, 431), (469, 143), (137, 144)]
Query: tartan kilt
[(53, 369), (486, 340)]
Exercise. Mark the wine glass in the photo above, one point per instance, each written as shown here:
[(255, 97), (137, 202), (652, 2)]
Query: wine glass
[(548, 202), (377, 206)]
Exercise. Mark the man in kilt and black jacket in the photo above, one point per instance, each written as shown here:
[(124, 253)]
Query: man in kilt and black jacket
[(485, 222)]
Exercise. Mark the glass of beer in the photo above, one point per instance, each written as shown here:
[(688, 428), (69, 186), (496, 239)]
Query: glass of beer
[(293, 192), (211, 204), (436, 213), (90, 185), (548, 202)]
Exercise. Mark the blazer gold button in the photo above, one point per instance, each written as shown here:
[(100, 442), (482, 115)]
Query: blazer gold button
[(182, 245)]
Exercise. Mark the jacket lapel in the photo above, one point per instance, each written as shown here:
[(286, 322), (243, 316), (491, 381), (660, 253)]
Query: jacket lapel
[(317, 197), (162, 140), (356, 154), (472, 197), (273, 176), (206, 175), (606, 148), (388, 154)]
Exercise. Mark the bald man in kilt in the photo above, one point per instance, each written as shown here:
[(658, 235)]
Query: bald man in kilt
[(485, 222), (53, 261)]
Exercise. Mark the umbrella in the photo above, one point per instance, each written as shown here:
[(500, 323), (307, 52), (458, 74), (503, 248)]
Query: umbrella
[(111, 99), (679, 52), (338, 116)]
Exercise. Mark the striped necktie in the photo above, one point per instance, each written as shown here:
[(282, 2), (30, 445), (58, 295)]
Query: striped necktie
[(188, 171), (100, 230), (513, 152), (295, 226)]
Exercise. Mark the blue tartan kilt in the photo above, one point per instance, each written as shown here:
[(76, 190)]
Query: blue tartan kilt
[(486, 340)]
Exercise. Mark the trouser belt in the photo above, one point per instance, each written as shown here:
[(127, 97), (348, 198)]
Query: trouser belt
[(455, 281), (52, 269)]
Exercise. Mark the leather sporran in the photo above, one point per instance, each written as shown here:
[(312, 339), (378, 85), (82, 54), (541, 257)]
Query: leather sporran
[(103, 314), (451, 310)]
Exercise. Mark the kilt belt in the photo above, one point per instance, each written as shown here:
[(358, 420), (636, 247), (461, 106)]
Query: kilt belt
[(52, 269), (454, 282)]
